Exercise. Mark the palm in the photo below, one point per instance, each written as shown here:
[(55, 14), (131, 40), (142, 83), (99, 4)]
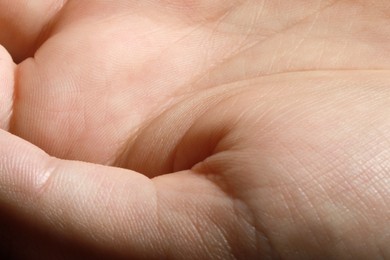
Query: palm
[(102, 72), (163, 86)]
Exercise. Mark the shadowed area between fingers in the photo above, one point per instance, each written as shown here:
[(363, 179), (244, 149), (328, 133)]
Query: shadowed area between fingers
[(24, 25)]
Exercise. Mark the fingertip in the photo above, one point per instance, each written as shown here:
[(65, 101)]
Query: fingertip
[(7, 83)]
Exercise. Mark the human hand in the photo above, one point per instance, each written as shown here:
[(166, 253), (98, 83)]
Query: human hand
[(238, 129)]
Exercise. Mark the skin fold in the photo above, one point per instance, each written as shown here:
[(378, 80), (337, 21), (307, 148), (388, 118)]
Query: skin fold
[(194, 129)]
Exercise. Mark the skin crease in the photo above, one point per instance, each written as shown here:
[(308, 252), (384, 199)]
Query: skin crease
[(194, 129)]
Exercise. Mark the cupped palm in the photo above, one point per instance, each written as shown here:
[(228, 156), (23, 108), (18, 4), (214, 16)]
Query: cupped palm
[(264, 124)]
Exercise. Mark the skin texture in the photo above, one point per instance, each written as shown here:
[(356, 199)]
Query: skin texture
[(195, 129)]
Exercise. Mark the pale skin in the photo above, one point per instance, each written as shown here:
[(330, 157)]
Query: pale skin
[(194, 129)]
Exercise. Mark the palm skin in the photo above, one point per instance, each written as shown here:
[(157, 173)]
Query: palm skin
[(239, 129)]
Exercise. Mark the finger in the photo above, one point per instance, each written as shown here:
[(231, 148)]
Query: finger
[(22, 23), (112, 208), (72, 199), (7, 72)]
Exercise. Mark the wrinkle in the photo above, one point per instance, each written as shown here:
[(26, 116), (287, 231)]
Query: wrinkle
[(15, 99), (264, 243)]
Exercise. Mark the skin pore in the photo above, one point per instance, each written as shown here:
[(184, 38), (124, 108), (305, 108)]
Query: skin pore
[(190, 129)]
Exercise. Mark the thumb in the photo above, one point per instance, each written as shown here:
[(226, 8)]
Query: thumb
[(181, 214)]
